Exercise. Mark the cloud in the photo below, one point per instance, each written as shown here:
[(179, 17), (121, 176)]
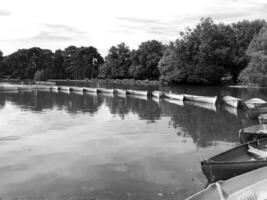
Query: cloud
[(48, 36), (5, 13), (137, 20), (131, 24), (60, 33)]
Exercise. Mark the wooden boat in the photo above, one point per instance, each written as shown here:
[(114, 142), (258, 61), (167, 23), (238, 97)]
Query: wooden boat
[(253, 133), (55, 88), (173, 101), (104, 90), (25, 87), (255, 103), (90, 90), (157, 94), (232, 101), (43, 87), (9, 88), (248, 186), (64, 88), (137, 92), (171, 95), (256, 112), (231, 110), (120, 91), (263, 119), (141, 97), (76, 89), (208, 106), (203, 99), (235, 161)]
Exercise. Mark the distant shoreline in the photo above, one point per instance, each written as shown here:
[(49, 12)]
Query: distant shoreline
[(123, 82)]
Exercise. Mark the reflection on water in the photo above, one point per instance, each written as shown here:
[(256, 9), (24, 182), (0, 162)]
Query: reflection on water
[(74, 146)]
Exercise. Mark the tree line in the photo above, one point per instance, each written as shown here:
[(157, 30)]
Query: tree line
[(209, 53)]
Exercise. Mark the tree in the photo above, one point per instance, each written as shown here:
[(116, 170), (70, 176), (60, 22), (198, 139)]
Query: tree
[(58, 70), (244, 32), (118, 61), (24, 63), (256, 71), (83, 62), (145, 60)]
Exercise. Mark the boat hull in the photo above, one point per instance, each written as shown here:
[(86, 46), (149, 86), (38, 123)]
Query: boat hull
[(232, 186), (137, 92), (256, 112), (263, 119), (90, 90), (174, 96), (232, 101), (233, 162), (157, 94), (202, 99), (253, 133), (104, 90)]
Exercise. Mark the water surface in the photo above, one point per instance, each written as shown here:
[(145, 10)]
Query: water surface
[(72, 146)]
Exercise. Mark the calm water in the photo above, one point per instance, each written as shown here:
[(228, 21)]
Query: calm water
[(59, 146)]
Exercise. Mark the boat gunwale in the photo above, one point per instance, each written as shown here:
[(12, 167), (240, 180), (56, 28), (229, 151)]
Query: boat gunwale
[(211, 161)]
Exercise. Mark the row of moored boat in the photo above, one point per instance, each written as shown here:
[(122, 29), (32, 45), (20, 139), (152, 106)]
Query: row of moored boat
[(240, 172)]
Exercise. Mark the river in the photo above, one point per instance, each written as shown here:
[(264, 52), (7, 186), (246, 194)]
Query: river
[(58, 146)]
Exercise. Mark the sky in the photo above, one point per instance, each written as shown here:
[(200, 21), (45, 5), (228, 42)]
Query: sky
[(57, 24)]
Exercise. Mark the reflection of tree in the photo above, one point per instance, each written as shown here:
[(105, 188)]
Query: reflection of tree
[(204, 125), (39, 100), (76, 102), (145, 108), (118, 105)]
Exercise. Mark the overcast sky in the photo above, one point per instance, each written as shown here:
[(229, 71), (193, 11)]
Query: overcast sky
[(57, 24)]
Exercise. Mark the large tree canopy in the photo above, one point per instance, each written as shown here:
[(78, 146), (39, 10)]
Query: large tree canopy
[(208, 52), (145, 60), (256, 71), (117, 62)]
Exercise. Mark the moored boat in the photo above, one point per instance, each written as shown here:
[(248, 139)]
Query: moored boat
[(171, 95), (208, 106), (175, 101), (263, 119), (236, 161), (256, 112), (157, 94), (255, 103), (43, 87), (253, 133), (55, 88), (9, 88), (90, 90), (232, 101), (76, 89), (25, 87), (105, 90), (203, 99), (64, 88), (120, 91), (249, 186), (137, 92)]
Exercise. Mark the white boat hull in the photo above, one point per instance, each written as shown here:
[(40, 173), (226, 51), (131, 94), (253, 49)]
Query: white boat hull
[(90, 90), (157, 94), (137, 92), (203, 99), (104, 90), (232, 101), (174, 96)]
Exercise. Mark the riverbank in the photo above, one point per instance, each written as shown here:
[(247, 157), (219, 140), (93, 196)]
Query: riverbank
[(112, 81)]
